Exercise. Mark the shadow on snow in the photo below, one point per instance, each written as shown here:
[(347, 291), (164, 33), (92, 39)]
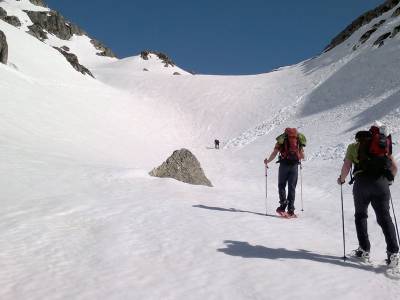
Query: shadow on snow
[(234, 210), (245, 250)]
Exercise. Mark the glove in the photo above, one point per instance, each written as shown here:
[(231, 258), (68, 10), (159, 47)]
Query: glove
[(340, 181), (266, 162)]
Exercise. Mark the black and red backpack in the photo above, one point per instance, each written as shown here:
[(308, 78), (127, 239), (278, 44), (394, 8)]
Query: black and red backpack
[(375, 147), (290, 148)]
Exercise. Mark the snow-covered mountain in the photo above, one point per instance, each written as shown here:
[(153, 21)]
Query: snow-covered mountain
[(82, 219), (82, 51)]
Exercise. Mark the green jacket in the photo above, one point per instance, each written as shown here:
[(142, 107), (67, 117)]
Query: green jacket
[(302, 139), (352, 153)]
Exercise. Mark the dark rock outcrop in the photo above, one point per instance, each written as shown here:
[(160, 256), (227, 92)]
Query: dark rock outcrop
[(163, 57), (56, 24), (396, 30), (381, 40), (3, 48), (13, 20), (182, 165), (396, 13), (367, 35), (361, 21), (3, 13), (104, 51), (73, 60), (53, 23), (37, 32), (176, 73), (38, 3), (379, 24)]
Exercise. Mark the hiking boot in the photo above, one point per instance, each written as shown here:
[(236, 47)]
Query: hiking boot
[(361, 254), (393, 260), (280, 211)]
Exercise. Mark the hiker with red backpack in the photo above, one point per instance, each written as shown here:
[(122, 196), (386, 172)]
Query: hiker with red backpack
[(290, 146), (374, 170)]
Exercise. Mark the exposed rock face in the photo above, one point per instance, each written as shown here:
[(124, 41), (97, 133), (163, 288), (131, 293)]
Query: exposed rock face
[(3, 13), (396, 30), (38, 3), (13, 20), (381, 40), (182, 165), (163, 57), (360, 21), (37, 32), (104, 51), (53, 23), (73, 60), (367, 35), (3, 48), (396, 13)]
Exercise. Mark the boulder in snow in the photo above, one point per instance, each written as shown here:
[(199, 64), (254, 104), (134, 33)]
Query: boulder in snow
[(3, 48), (182, 165)]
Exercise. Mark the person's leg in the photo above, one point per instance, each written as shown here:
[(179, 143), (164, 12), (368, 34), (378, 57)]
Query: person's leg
[(292, 183), (361, 202), (381, 206), (282, 180)]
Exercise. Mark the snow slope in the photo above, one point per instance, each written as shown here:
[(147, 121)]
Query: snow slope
[(81, 219)]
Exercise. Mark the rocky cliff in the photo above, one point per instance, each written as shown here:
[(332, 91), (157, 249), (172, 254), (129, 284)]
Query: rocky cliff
[(364, 19)]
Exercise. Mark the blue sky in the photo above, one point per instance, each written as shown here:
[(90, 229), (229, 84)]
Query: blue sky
[(217, 36)]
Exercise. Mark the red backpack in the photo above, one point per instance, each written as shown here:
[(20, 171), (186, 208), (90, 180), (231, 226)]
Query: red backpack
[(290, 149), (375, 147)]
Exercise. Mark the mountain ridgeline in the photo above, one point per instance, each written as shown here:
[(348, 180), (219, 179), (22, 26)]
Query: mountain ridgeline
[(365, 19)]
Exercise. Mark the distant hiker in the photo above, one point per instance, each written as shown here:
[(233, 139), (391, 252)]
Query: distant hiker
[(290, 146), (374, 169), (216, 144)]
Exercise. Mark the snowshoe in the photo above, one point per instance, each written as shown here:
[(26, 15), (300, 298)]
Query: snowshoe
[(281, 212), (361, 254), (393, 266), (291, 215)]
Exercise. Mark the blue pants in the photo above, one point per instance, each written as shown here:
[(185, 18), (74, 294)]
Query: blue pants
[(288, 175)]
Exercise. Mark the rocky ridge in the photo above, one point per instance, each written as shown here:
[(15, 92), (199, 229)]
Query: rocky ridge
[(46, 21), (3, 48), (362, 20)]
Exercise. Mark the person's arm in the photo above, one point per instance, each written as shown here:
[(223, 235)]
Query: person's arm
[(302, 155), (272, 155), (345, 171), (393, 168)]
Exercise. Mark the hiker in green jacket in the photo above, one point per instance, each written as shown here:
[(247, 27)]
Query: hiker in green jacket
[(374, 169)]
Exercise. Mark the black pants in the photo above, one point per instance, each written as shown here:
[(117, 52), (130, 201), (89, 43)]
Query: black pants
[(288, 174), (368, 190)]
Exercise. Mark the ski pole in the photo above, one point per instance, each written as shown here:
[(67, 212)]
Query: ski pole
[(344, 238), (301, 187), (395, 220), (266, 190)]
